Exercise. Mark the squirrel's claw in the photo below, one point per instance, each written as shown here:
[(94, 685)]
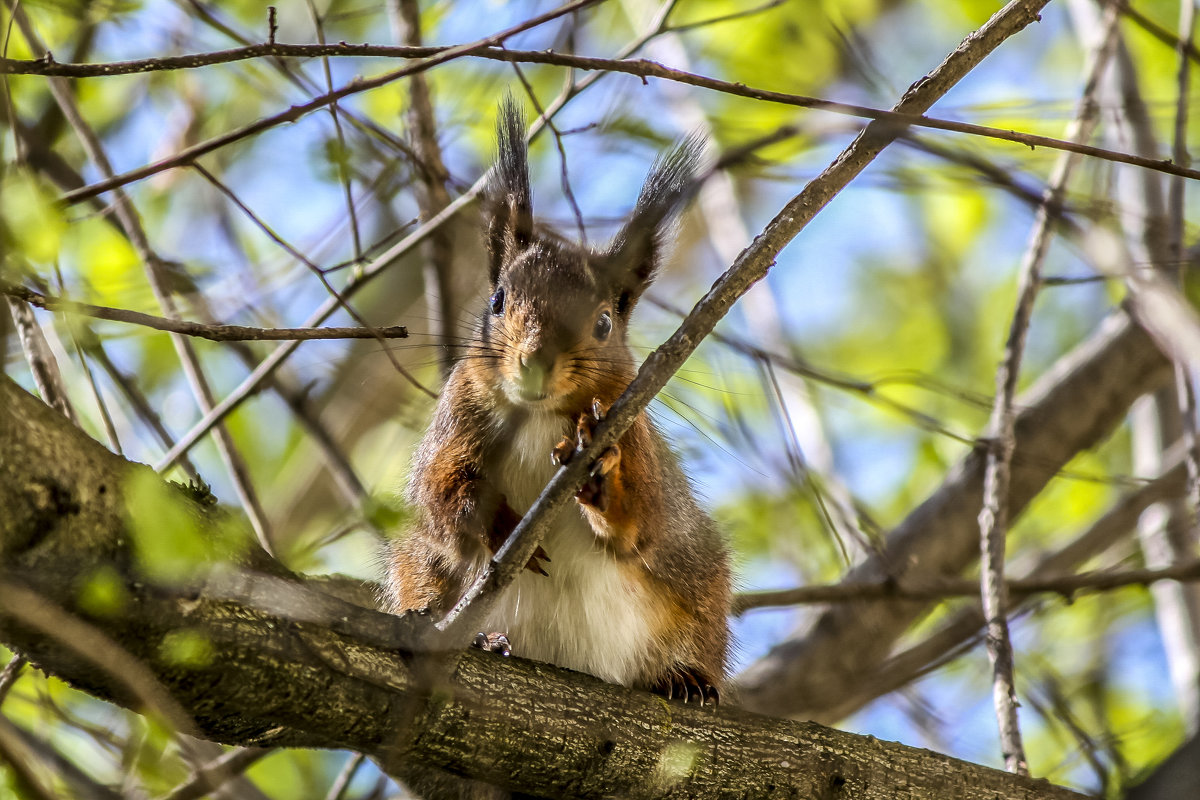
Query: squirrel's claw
[(687, 684), (594, 491), (535, 562), (585, 426), (493, 643), (503, 525), (609, 460), (562, 452)]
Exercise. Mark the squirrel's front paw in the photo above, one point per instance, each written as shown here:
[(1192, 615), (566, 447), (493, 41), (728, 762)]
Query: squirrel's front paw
[(594, 491)]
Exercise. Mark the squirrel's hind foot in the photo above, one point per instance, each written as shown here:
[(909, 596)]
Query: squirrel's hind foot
[(493, 643), (688, 684)]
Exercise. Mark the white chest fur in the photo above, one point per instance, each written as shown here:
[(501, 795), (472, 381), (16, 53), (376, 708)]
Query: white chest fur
[(588, 614)]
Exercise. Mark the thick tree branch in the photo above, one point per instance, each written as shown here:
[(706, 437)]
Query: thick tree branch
[(299, 668)]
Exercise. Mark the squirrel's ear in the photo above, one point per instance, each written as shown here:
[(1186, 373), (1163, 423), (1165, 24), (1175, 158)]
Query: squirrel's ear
[(634, 256), (508, 202)]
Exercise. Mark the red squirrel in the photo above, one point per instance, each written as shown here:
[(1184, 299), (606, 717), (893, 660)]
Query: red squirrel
[(633, 585)]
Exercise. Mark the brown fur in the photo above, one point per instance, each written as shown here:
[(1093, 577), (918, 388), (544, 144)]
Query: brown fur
[(539, 365)]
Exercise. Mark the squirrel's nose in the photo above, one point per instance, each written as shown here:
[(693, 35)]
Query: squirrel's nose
[(535, 369), (536, 360)]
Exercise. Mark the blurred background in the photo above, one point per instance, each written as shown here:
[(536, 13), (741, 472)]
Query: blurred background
[(838, 394)]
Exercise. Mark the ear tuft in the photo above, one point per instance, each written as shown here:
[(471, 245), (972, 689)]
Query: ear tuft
[(508, 200), (635, 253)]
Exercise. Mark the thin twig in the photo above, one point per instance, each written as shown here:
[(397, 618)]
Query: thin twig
[(342, 782), (294, 113), (1069, 586), (42, 363), (748, 12), (8, 677), (155, 269), (343, 154), (1165, 36), (751, 266), (638, 67), (993, 517), (1056, 708), (209, 777), (110, 428), (215, 333), (432, 195)]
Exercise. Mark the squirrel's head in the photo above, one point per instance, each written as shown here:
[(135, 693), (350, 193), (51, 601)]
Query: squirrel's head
[(554, 326)]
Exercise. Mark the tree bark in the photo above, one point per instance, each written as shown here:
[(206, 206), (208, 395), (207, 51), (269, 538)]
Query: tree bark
[(290, 666)]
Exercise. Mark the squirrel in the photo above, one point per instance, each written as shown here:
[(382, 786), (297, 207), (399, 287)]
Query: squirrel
[(633, 585)]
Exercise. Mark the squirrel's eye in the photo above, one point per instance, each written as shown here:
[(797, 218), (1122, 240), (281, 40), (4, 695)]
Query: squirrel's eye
[(603, 326), (497, 302)]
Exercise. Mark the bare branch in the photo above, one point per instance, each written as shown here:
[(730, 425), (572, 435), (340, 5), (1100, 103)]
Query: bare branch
[(215, 333), (993, 517), (1066, 585), (211, 776), (639, 67), (10, 673), (294, 113)]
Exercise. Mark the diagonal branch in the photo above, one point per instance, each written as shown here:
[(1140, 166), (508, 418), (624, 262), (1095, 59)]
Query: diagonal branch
[(751, 266)]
